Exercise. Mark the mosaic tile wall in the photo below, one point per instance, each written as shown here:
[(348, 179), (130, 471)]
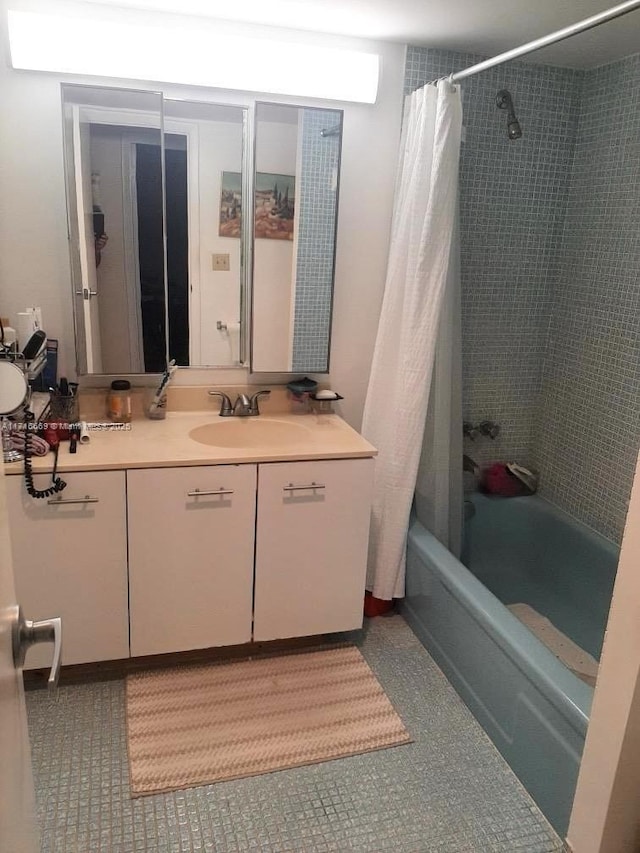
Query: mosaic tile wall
[(513, 200), (550, 254), (589, 425), (316, 192)]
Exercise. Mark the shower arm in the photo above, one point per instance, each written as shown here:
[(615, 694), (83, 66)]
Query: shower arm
[(505, 102)]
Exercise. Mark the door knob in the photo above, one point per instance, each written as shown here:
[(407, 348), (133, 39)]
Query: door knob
[(86, 293), (26, 634)]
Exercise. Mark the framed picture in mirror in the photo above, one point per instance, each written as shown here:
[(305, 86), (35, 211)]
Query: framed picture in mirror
[(275, 206), (230, 204)]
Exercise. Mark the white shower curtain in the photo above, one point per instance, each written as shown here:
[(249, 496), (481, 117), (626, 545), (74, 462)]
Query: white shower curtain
[(439, 492), (419, 266)]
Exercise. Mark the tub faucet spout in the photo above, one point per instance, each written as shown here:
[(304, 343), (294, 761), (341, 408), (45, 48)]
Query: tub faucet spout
[(468, 464)]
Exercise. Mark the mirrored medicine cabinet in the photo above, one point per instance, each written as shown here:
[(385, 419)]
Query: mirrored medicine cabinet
[(169, 259)]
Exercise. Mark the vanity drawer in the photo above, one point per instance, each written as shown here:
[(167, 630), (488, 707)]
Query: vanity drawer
[(70, 560), (191, 542)]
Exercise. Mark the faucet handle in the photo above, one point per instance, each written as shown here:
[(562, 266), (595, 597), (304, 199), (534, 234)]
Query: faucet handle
[(490, 429), (226, 409), (253, 406), (470, 431)]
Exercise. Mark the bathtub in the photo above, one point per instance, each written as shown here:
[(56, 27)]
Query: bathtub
[(516, 550)]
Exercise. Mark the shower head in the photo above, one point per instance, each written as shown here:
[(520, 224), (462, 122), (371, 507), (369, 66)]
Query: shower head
[(504, 101), (331, 131), (514, 130)]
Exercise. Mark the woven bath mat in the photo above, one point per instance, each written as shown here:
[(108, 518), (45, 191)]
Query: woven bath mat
[(192, 725)]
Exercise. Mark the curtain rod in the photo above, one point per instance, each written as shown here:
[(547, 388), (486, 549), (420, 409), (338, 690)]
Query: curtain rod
[(552, 38)]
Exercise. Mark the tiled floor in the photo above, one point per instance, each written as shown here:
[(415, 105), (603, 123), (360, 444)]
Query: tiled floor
[(448, 791)]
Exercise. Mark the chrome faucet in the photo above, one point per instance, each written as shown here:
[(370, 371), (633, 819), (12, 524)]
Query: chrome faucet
[(491, 429), (243, 407)]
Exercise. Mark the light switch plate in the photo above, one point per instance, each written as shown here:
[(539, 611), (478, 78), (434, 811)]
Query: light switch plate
[(220, 263)]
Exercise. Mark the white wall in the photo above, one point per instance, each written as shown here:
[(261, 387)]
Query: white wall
[(276, 153), (106, 160), (219, 150), (34, 255), (117, 325), (34, 263), (606, 808)]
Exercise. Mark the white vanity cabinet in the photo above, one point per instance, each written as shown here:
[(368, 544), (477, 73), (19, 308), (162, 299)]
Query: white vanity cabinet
[(191, 544), (312, 536), (148, 561), (70, 557)]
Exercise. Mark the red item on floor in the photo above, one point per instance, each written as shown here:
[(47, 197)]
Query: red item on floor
[(376, 606), (498, 480)]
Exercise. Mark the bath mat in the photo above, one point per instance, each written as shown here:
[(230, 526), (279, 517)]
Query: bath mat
[(581, 663), (193, 725)]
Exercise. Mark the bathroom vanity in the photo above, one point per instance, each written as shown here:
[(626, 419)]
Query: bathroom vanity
[(162, 543)]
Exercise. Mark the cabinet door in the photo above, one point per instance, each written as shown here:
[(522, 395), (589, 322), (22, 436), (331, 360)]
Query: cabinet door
[(311, 547), (70, 557), (191, 540)]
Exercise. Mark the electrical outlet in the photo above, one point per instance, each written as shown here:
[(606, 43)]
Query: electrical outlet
[(220, 263)]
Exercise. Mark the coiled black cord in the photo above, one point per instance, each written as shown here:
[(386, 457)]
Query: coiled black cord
[(57, 485)]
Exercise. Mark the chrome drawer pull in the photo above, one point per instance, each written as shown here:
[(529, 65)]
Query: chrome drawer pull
[(292, 488), (197, 493), (85, 500)]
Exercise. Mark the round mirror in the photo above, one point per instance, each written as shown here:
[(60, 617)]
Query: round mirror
[(13, 387)]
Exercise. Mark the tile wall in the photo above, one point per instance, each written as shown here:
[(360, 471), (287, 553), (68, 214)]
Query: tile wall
[(549, 263), (316, 191), (513, 200), (588, 429)]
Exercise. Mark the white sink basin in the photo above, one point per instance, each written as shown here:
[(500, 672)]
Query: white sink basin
[(250, 432)]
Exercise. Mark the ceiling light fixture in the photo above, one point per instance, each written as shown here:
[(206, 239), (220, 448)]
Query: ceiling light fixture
[(193, 54)]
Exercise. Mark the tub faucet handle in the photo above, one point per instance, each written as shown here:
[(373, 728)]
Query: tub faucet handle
[(489, 428), (469, 430)]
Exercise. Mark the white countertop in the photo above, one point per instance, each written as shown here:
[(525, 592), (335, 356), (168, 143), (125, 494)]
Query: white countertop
[(166, 443)]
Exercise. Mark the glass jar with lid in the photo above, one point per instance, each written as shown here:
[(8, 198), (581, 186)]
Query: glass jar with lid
[(119, 401)]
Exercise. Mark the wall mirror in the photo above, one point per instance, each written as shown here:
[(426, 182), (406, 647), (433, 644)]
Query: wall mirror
[(206, 241), (113, 159), (161, 234), (296, 179), (142, 169)]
